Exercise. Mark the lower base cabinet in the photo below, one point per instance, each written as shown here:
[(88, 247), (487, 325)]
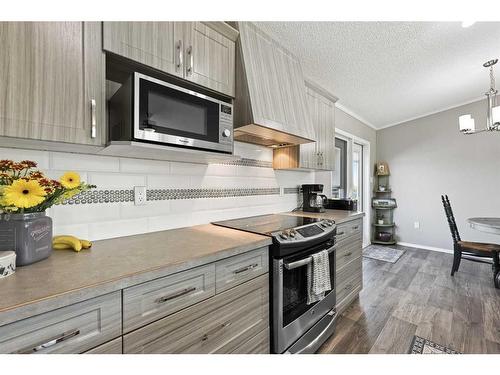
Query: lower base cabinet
[(236, 320)]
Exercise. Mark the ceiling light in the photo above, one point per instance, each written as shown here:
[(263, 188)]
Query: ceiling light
[(466, 24), (467, 124)]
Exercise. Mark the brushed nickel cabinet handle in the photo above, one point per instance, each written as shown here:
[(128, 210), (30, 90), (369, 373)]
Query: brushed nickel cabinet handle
[(189, 68), (247, 268), (178, 64), (348, 254), (340, 233), (51, 342), (178, 294), (93, 121), (215, 330)]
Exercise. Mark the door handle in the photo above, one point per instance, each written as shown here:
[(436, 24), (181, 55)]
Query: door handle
[(189, 68), (93, 121), (178, 64), (176, 295), (51, 342)]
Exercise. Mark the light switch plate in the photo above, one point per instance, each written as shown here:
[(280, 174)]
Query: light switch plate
[(139, 195), (416, 224)]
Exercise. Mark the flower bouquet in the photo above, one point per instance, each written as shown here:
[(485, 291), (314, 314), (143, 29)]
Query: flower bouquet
[(25, 195)]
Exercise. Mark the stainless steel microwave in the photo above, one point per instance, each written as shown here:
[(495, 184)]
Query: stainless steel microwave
[(150, 110)]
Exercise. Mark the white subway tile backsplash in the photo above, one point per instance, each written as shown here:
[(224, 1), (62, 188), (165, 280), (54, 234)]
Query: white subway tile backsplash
[(107, 220), (18, 154), (116, 180), (128, 165), (119, 228), (85, 213), (81, 162), (188, 168)]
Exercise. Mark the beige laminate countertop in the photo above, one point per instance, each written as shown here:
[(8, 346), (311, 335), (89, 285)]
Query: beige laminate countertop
[(340, 216), (67, 277)]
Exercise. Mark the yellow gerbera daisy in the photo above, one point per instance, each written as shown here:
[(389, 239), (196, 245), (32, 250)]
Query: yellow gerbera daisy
[(70, 180), (24, 194)]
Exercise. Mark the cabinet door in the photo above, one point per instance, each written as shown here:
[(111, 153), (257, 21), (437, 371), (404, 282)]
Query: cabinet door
[(309, 157), (263, 86), (209, 58), (291, 84), (156, 44), (50, 74)]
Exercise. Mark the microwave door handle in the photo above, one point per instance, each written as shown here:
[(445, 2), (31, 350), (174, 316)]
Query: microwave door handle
[(305, 261)]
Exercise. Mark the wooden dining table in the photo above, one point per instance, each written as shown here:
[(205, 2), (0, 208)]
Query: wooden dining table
[(488, 225)]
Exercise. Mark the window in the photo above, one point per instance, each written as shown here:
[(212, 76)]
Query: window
[(339, 185)]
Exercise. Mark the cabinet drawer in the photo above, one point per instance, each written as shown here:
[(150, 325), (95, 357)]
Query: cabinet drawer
[(348, 252), (145, 303), (259, 344), (349, 228), (112, 347), (71, 329), (240, 268), (218, 325), (348, 279)]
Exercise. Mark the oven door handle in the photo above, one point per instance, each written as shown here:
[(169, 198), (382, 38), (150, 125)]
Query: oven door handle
[(305, 261)]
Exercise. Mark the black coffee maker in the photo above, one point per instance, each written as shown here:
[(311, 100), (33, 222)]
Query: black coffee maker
[(313, 200)]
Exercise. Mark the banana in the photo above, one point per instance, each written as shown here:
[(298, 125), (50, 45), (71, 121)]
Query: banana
[(61, 246), (86, 244), (70, 241)]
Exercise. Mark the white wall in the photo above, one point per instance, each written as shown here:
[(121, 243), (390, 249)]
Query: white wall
[(107, 220), (429, 157)]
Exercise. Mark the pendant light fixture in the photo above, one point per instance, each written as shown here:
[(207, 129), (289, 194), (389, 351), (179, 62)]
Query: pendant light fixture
[(466, 122)]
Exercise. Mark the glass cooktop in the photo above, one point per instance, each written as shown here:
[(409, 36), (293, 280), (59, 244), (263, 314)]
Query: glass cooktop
[(267, 224)]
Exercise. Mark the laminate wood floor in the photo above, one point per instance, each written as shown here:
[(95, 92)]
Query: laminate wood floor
[(417, 296)]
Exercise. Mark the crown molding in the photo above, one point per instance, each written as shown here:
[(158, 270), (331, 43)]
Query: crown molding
[(404, 122), (343, 108)]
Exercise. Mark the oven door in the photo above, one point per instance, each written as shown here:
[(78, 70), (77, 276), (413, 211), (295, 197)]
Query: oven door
[(292, 316), (170, 114)]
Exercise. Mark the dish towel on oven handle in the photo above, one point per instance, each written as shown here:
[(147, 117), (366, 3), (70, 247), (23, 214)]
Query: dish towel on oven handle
[(318, 277)]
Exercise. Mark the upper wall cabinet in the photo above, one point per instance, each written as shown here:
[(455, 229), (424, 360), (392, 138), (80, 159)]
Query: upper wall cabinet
[(198, 52), (321, 154), (52, 81), (270, 99)]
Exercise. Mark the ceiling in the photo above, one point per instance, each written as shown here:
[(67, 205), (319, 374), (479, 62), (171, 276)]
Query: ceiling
[(390, 72)]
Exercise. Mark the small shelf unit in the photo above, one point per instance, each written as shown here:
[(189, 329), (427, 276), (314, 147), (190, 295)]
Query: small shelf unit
[(383, 206)]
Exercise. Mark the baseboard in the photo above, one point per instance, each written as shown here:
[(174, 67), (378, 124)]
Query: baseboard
[(431, 248)]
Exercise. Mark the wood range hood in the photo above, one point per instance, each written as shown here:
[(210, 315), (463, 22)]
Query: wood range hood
[(270, 106)]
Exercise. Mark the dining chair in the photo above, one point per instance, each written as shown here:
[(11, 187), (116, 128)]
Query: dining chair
[(473, 251)]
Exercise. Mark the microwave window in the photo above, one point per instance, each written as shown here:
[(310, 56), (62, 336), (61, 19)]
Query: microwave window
[(176, 114)]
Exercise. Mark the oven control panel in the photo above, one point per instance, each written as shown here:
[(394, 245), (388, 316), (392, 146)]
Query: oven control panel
[(305, 232)]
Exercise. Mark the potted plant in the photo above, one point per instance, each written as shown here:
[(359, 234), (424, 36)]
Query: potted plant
[(25, 194)]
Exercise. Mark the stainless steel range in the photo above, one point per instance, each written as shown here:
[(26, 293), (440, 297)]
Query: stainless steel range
[(297, 327)]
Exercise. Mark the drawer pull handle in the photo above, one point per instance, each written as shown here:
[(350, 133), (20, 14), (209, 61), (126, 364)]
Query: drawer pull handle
[(53, 341), (348, 254), (340, 233), (247, 268), (215, 330), (176, 295), (356, 227)]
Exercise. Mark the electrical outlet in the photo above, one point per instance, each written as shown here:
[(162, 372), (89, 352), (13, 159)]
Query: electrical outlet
[(282, 191), (139, 195), (416, 225)]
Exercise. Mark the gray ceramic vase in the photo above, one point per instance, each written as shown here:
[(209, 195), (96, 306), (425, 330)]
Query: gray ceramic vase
[(29, 235)]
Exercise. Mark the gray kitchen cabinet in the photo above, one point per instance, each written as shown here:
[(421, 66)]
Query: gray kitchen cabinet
[(156, 44), (348, 262), (220, 324), (321, 155), (111, 347), (198, 52), (52, 82)]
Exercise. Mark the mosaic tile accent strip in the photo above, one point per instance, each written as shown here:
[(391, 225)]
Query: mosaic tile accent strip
[(169, 194), (117, 196), (294, 190), (250, 163)]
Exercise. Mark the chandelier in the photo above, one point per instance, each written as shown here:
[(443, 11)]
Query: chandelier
[(466, 122)]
